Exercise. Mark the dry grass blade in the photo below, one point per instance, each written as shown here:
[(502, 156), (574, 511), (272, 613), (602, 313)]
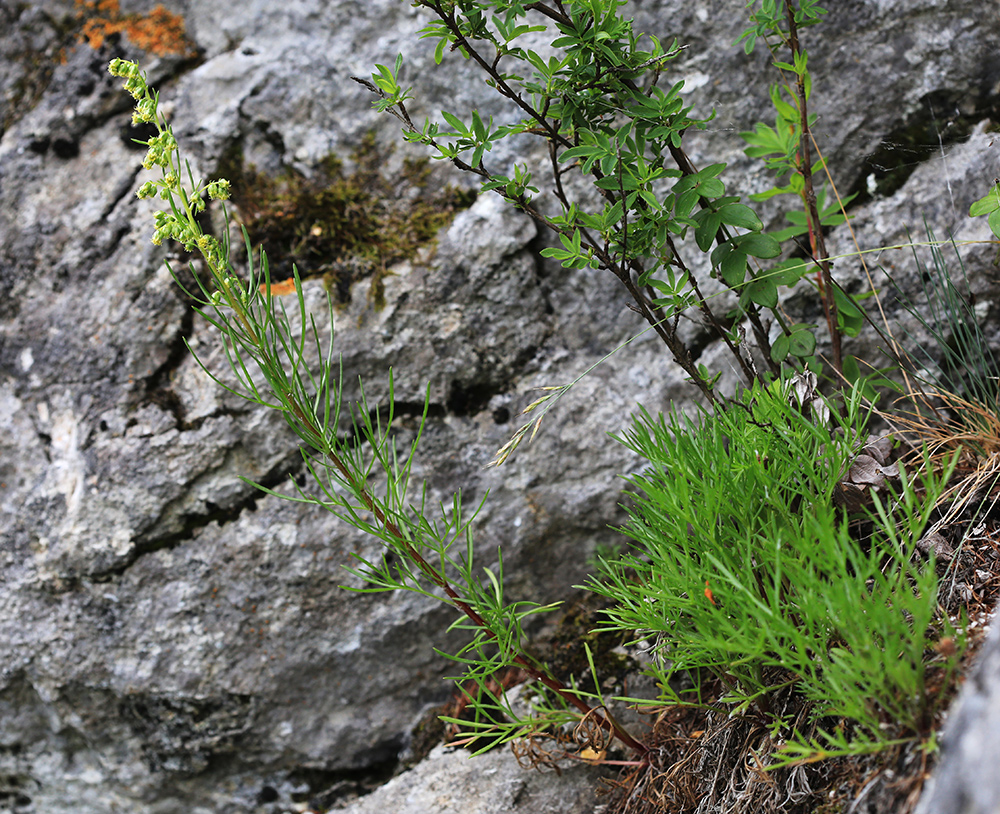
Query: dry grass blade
[(949, 425)]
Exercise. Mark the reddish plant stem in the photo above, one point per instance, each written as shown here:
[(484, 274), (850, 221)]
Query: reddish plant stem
[(556, 686), (816, 239), (605, 720)]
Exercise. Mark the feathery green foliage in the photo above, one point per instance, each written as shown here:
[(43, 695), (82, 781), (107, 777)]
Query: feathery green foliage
[(744, 565), (278, 360)]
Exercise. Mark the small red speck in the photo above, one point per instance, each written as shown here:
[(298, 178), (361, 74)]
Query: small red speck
[(708, 593)]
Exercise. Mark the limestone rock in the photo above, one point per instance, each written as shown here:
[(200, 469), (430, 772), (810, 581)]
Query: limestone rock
[(172, 639), (450, 782), (965, 781)]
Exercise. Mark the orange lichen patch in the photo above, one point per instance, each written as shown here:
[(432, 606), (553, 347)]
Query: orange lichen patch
[(160, 32), (280, 289)]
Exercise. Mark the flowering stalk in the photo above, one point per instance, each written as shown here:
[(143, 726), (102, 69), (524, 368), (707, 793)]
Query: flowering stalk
[(180, 222), (264, 334)]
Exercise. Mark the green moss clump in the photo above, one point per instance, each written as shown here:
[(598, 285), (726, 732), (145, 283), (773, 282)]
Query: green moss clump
[(338, 226)]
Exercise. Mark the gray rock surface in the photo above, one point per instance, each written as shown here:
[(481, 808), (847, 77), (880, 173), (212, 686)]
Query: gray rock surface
[(449, 782), (966, 779), (172, 640)]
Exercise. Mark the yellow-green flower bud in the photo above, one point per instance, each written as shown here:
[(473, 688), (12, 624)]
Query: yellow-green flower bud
[(160, 148), (123, 68), (207, 245), (135, 86), (147, 190), (219, 190), (145, 111)]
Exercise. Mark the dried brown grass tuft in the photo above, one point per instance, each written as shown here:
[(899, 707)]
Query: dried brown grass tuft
[(941, 426)]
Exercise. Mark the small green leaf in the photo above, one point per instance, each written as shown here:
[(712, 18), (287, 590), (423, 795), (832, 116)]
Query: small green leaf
[(781, 235), (650, 199), (763, 292), (994, 222), (788, 272), (496, 584), (801, 343), (685, 203), (711, 188), (576, 152), (741, 216), (708, 227), (988, 203), (759, 245), (734, 268), (779, 349), (785, 110), (851, 371), (615, 182), (721, 251), (478, 127), (614, 214), (850, 318), (455, 122)]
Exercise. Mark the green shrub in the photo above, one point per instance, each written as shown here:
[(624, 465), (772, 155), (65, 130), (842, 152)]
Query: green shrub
[(744, 566)]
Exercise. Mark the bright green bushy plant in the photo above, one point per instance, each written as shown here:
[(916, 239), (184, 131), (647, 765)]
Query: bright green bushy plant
[(744, 566)]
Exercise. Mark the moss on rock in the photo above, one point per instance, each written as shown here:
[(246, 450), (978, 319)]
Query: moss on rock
[(339, 225)]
